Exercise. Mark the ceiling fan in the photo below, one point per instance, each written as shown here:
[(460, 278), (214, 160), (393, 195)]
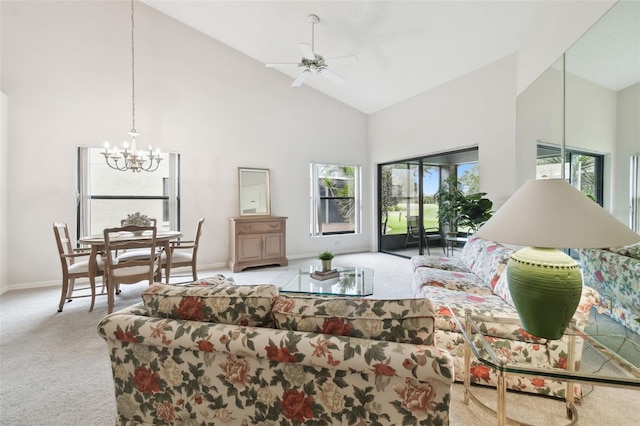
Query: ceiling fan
[(312, 62)]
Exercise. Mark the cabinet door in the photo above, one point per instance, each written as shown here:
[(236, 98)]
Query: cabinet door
[(249, 247), (273, 245)]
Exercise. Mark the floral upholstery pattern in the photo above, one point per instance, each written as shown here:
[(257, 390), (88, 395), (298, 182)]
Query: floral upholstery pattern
[(439, 262), (174, 371), (487, 295), (212, 301), (404, 321), (449, 279), (617, 278)]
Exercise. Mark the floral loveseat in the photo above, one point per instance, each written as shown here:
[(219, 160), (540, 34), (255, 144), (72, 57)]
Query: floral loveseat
[(478, 281), (216, 353), (615, 274)]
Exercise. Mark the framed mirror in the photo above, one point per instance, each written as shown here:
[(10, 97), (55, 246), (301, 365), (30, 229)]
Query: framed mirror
[(255, 198)]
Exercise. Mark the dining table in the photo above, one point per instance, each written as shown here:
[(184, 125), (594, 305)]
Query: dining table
[(163, 239)]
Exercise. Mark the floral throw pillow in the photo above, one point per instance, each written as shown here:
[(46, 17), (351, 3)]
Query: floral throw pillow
[(247, 305), (403, 321)]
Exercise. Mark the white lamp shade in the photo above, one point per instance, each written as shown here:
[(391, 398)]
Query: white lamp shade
[(552, 213)]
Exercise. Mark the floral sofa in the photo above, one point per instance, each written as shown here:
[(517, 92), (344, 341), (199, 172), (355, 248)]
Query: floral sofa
[(477, 280), (615, 274), (212, 352)]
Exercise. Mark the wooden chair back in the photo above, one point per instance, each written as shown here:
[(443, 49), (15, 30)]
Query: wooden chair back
[(143, 268)]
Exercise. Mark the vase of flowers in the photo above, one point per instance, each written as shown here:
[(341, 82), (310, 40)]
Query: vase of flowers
[(137, 219)]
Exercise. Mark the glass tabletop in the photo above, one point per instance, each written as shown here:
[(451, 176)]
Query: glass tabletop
[(611, 368), (348, 282)]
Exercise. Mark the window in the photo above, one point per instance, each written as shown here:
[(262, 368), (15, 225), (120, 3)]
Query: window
[(107, 196), (335, 199), (582, 169)]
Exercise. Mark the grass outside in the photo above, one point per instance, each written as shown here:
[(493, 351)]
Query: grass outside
[(397, 223)]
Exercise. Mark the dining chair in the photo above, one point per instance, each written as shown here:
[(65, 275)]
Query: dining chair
[(134, 270), (75, 264), (430, 234), (185, 253)]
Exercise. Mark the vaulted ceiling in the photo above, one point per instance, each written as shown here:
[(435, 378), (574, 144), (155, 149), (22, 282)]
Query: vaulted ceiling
[(403, 47)]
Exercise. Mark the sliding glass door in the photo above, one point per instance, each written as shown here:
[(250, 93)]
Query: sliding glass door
[(408, 214)]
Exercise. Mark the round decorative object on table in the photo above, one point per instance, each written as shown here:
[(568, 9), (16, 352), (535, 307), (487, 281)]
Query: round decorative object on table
[(545, 285)]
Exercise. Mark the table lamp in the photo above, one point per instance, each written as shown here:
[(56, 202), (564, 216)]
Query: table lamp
[(545, 283)]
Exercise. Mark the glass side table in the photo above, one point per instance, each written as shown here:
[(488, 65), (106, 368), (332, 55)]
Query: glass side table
[(623, 374), (356, 282)]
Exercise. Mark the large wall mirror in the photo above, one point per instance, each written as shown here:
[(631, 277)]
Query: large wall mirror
[(586, 106), (255, 198)]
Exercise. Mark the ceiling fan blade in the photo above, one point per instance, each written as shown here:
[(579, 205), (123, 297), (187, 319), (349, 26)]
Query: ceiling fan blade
[(280, 65), (307, 51), (298, 81), (342, 60), (332, 76)]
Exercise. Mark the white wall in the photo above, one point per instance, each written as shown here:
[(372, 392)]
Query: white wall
[(627, 144), (557, 26), (477, 109), (3, 193), (66, 72)]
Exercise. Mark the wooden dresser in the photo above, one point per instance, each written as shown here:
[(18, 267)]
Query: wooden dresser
[(257, 241)]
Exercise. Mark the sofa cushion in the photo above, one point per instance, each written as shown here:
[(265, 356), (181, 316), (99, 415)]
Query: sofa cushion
[(403, 321), (471, 250), (629, 251), (438, 262), (491, 262), (448, 279), (248, 305)]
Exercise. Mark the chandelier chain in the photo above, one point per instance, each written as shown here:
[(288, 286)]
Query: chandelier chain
[(133, 74), (132, 158)]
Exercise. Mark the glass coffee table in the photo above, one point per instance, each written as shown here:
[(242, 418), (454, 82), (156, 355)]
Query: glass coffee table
[(357, 282), (622, 373)]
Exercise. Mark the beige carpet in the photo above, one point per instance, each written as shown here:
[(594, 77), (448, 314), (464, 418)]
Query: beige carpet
[(55, 370)]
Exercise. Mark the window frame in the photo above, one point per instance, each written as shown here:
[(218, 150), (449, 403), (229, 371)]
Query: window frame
[(316, 199), (170, 197)]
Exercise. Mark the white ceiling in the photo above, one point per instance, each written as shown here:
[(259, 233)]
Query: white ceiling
[(403, 47)]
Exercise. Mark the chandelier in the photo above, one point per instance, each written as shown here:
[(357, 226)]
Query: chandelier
[(130, 158)]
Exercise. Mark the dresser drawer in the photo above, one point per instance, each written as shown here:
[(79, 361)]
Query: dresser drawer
[(261, 227)]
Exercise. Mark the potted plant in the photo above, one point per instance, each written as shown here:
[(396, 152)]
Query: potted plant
[(475, 210), (450, 200), (137, 219), (326, 257)]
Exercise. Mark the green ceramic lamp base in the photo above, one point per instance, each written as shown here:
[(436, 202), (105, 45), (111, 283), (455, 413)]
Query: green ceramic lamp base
[(545, 285)]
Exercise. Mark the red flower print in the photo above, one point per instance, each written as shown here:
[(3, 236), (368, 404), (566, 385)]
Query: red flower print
[(125, 336), (164, 411), (284, 305), (491, 248), (224, 339), (481, 372), (336, 327), (416, 396), (145, 380), (383, 370), (408, 364), (436, 284), (205, 345), (275, 353), (562, 362), (444, 311), (538, 383), (475, 298), (236, 370), (296, 405), (191, 308), (599, 276)]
